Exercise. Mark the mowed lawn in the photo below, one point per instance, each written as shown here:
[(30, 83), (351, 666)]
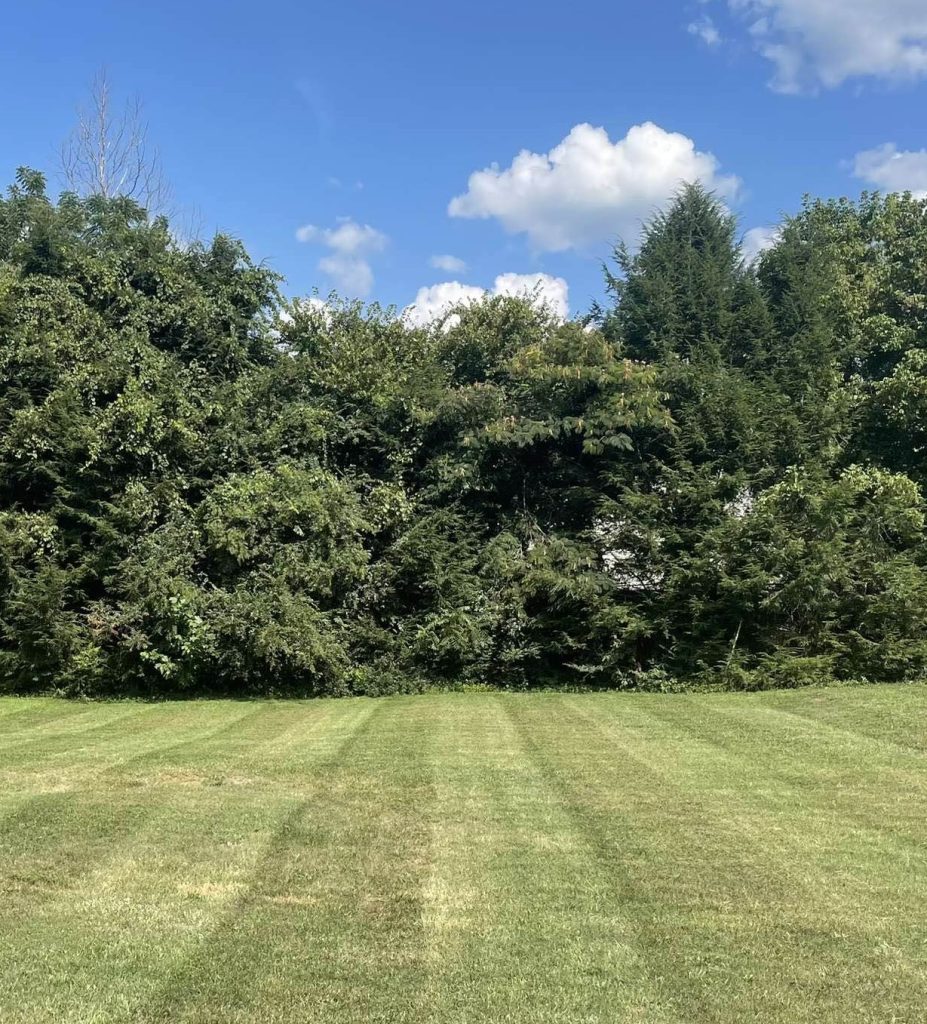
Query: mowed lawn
[(467, 857)]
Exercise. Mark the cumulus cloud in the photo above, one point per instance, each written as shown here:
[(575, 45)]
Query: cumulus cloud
[(435, 301), (450, 264), (756, 240), (892, 169), (588, 189), (552, 292), (350, 245), (822, 43)]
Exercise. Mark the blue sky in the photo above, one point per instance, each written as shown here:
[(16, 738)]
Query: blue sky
[(347, 143)]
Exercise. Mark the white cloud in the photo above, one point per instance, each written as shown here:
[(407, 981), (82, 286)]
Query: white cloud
[(552, 292), (435, 301), (316, 307), (706, 30), (450, 264), (351, 244), (815, 43), (588, 189), (432, 302), (756, 240), (892, 169), (351, 274), (349, 237)]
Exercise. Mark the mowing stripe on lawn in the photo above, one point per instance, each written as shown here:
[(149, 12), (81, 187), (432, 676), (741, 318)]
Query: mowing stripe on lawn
[(23, 713), (82, 760), (467, 858), (894, 712), (100, 921), (522, 924), (84, 723), (333, 901), (868, 783), (725, 866)]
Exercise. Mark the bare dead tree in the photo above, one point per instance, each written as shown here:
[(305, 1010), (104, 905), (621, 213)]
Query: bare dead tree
[(109, 153)]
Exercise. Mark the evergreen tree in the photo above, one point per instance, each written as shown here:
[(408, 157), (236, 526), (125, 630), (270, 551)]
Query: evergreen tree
[(203, 489)]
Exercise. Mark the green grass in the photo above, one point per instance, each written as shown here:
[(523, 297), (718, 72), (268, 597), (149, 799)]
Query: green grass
[(467, 858)]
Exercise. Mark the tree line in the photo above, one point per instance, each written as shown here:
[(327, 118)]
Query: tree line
[(713, 478)]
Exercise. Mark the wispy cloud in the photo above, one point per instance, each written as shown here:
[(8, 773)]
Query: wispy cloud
[(814, 44), (892, 169), (449, 264), (705, 29)]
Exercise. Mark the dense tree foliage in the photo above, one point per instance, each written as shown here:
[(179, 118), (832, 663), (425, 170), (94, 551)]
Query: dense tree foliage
[(206, 488)]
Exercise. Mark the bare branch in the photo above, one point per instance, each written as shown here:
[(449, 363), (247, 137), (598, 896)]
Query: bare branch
[(108, 154)]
